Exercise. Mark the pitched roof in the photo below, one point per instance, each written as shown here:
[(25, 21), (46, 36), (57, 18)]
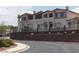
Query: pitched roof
[(40, 12), (75, 18), (26, 14), (73, 12)]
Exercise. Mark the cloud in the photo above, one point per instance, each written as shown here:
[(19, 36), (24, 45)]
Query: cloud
[(14, 9), (8, 14), (76, 9)]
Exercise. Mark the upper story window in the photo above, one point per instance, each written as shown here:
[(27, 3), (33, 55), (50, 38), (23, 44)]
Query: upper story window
[(56, 15), (60, 15), (38, 16), (50, 15), (24, 18), (30, 17), (45, 15), (63, 15)]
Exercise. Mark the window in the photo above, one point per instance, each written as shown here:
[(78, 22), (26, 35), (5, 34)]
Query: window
[(25, 28), (63, 15), (50, 15), (58, 25), (24, 18), (56, 15), (71, 24), (60, 15), (45, 15), (30, 16), (50, 26), (38, 27), (45, 24), (38, 16)]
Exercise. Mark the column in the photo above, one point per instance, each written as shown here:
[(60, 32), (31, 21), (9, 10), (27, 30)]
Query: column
[(33, 17)]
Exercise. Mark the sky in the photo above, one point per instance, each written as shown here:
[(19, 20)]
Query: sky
[(8, 14)]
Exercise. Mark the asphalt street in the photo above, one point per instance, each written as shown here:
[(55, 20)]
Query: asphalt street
[(50, 47)]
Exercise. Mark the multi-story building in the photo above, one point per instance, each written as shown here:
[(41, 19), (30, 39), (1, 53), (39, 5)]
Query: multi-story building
[(54, 20)]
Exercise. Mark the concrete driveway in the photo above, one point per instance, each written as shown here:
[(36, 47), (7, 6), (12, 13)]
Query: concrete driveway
[(51, 47)]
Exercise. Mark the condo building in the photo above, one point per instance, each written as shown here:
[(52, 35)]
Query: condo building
[(50, 20)]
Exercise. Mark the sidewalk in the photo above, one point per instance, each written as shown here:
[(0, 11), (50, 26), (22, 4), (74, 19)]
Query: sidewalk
[(19, 48)]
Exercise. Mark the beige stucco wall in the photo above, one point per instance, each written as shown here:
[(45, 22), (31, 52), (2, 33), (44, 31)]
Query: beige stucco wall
[(35, 22), (62, 21)]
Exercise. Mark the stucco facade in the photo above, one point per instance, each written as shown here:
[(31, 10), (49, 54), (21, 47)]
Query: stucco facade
[(55, 20)]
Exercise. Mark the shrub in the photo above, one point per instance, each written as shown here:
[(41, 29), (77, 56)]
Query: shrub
[(9, 41), (6, 43)]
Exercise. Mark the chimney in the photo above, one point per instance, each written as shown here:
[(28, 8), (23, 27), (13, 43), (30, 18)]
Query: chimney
[(67, 8), (34, 12), (67, 12)]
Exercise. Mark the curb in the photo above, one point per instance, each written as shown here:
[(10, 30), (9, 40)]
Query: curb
[(19, 48)]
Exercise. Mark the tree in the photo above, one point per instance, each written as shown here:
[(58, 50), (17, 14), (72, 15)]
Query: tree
[(2, 28)]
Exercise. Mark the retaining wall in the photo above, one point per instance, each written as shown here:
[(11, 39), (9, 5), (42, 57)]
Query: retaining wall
[(67, 36)]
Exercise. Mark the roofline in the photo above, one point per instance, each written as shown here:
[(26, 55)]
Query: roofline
[(26, 14), (49, 11), (73, 12)]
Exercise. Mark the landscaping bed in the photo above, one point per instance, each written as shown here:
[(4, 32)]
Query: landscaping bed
[(6, 44)]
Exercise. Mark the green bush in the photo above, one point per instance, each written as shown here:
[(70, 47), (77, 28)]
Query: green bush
[(9, 41), (6, 43)]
